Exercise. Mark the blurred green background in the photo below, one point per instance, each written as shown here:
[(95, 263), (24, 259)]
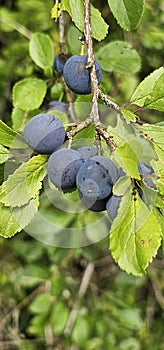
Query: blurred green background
[(40, 285)]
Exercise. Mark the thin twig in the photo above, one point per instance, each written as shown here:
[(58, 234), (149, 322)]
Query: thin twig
[(82, 290), (91, 62), (17, 26), (84, 124), (61, 33), (109, 103)]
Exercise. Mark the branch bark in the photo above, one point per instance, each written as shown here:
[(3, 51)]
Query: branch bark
[(91, 62)]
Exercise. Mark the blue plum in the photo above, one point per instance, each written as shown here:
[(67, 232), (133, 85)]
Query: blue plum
[(96, 206), (111, 167), (87, 151), (77, 76), (59, 62), (44, 133), (57, 105), (63, 166), (112, 206), (145, 169), (93, 179)]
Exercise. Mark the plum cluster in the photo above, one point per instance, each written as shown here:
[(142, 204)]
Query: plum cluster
[(82, 168), (92, 175), (75, 72)]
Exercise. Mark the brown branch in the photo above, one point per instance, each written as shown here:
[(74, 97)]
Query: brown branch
[(107, 137), (91, 62), (62, 39), (84, 124), (108, 102)]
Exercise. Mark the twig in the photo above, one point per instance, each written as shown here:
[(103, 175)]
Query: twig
[(40, 289), (17, 26), (61, 33), (84, 124), (109, 103), (82, 290), (91, 62), (107, 137)]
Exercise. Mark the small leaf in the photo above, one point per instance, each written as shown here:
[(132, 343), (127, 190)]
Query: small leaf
[(119, 56), (135, 236), (145, 88), (156, 99), (59, 317), (55, 12), (129, 115), (9, 225), (7, 135), (16, 219), (29, 93), (73, 39), (17, 117), (85, 136), (41, 50), (128, 156), (25, 183), (4, 154), (41, 304), (122, 185), (156, 135), (127, 13), (25, 213)]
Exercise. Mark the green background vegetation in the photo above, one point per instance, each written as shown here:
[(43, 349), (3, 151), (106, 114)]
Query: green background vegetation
[(40, 284)]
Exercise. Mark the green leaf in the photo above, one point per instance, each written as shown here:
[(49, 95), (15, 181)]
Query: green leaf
[(80, 331), (17, 117), (129, 115), (156, 99), (122, 185), (160, 176), (41, 304), (25, 183), (76, 11), (16, 219), (128, 156), (85, 136), (29, 93), (25, 213), (7, 135), (119, 56), (156, 135), (55, 11), (135, 236), (73, 40), (122, 133), (9, 225), (127, 12), (145, 88), (4, 154), (41, 50), (59, 317)]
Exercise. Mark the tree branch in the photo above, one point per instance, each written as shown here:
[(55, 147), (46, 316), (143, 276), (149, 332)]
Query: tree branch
[(91, 62)]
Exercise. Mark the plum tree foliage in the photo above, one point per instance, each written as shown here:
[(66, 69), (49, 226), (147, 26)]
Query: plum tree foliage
[(113, 158)]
